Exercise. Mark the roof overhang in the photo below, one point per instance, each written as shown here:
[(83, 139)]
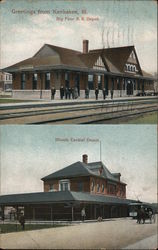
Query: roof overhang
[(59, 197), (46, 68)]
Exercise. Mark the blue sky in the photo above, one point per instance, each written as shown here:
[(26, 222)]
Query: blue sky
[(28, 153), (123, 22)]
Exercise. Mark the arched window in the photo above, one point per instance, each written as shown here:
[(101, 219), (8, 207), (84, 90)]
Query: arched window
[(129, 68), (92, 185), (98, 187), (102, 188)]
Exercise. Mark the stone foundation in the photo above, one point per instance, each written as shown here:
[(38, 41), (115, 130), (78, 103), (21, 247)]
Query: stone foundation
[(46, 94)]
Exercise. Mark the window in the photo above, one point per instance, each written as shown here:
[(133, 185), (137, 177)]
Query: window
[(102, 187), (47, 81), (123, 84), (34, 85), (99, 82), (66, 76), (92, 186), (23, 80), (118, 84), (80, 186), (111, 189), (98, 187), (90, 82), (51, 187), (64, 185)]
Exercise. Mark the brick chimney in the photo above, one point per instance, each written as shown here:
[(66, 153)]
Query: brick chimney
[(85, 46), (85, 159)]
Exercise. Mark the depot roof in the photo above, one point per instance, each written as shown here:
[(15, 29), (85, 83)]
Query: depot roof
[(59, 197), (80, 169), (55, 57)]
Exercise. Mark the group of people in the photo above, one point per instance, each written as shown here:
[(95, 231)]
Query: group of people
[(144, 213), (68, 93), (104, 93), (72, 93)]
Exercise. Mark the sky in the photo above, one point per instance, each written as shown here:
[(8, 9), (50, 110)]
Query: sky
[(28, 25), (29, 153)]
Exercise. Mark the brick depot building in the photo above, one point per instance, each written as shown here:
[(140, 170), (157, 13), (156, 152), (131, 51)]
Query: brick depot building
[(66, 192), (115, 69)]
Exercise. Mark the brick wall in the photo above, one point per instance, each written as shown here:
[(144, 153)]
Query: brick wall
[(17, 81), (47, 184), (74, 184), (97, 181)]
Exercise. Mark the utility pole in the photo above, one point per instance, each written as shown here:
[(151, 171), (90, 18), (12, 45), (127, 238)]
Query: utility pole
[(100, 150)]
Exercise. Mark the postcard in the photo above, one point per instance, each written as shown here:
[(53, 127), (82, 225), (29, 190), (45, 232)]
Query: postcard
[(78, 62), (78, 124)]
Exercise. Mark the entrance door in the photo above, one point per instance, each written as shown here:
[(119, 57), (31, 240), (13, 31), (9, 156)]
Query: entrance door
[(47, 81), (129, 87)]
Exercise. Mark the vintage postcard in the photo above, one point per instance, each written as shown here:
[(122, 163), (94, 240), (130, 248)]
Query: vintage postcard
[(78, 124), (68, 187), (78, 62)]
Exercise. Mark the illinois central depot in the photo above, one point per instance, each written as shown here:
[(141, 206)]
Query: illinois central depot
[(116, 69), (67, 191)]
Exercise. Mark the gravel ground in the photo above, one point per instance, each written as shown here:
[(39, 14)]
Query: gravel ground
[(114, 234)]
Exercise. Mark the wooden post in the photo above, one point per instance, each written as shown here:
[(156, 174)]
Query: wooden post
[(95, 212), (51, 213), (72, 213), (33, 213)]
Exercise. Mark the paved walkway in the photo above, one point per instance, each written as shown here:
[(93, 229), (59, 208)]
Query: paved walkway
[(116, 234), (148, 243)]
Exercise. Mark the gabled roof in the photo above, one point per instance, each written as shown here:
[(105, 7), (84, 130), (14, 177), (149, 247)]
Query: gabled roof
[(62, 58), (116, 57), (60, 197), (78, 169)]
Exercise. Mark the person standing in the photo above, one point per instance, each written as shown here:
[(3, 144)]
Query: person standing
[(87, 93), (22, 221), (69, 93), (61, 92), (66, 93), (112, 92), (96, 93), (83, 214), (104, 93), (53, 91), (75, 93)]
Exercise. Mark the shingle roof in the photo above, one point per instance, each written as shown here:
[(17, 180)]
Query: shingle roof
[(76, 169), (59, 197), (114, 59), (81, 169)]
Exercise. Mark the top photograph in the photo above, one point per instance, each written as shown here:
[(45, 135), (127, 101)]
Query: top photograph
[(78, 62)]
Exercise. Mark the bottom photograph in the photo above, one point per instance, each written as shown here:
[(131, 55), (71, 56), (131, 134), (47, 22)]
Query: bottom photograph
[(78, 187)]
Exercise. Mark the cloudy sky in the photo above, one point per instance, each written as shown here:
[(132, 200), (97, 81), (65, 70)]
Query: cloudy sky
[(29, 153), (27, 25)]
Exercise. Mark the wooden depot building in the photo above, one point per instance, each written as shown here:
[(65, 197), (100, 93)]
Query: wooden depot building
[(116, 69), (66, 192)]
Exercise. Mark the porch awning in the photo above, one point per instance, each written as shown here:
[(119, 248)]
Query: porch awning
[(59, 197)]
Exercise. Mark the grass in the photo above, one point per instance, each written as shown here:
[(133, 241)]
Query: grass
[(150, 118), (8, 228)]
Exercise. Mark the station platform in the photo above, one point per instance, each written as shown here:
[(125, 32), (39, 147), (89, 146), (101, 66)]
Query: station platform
[(69, 102)]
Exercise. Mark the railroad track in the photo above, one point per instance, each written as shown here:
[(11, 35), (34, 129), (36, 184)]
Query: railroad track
[(75, 113)]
